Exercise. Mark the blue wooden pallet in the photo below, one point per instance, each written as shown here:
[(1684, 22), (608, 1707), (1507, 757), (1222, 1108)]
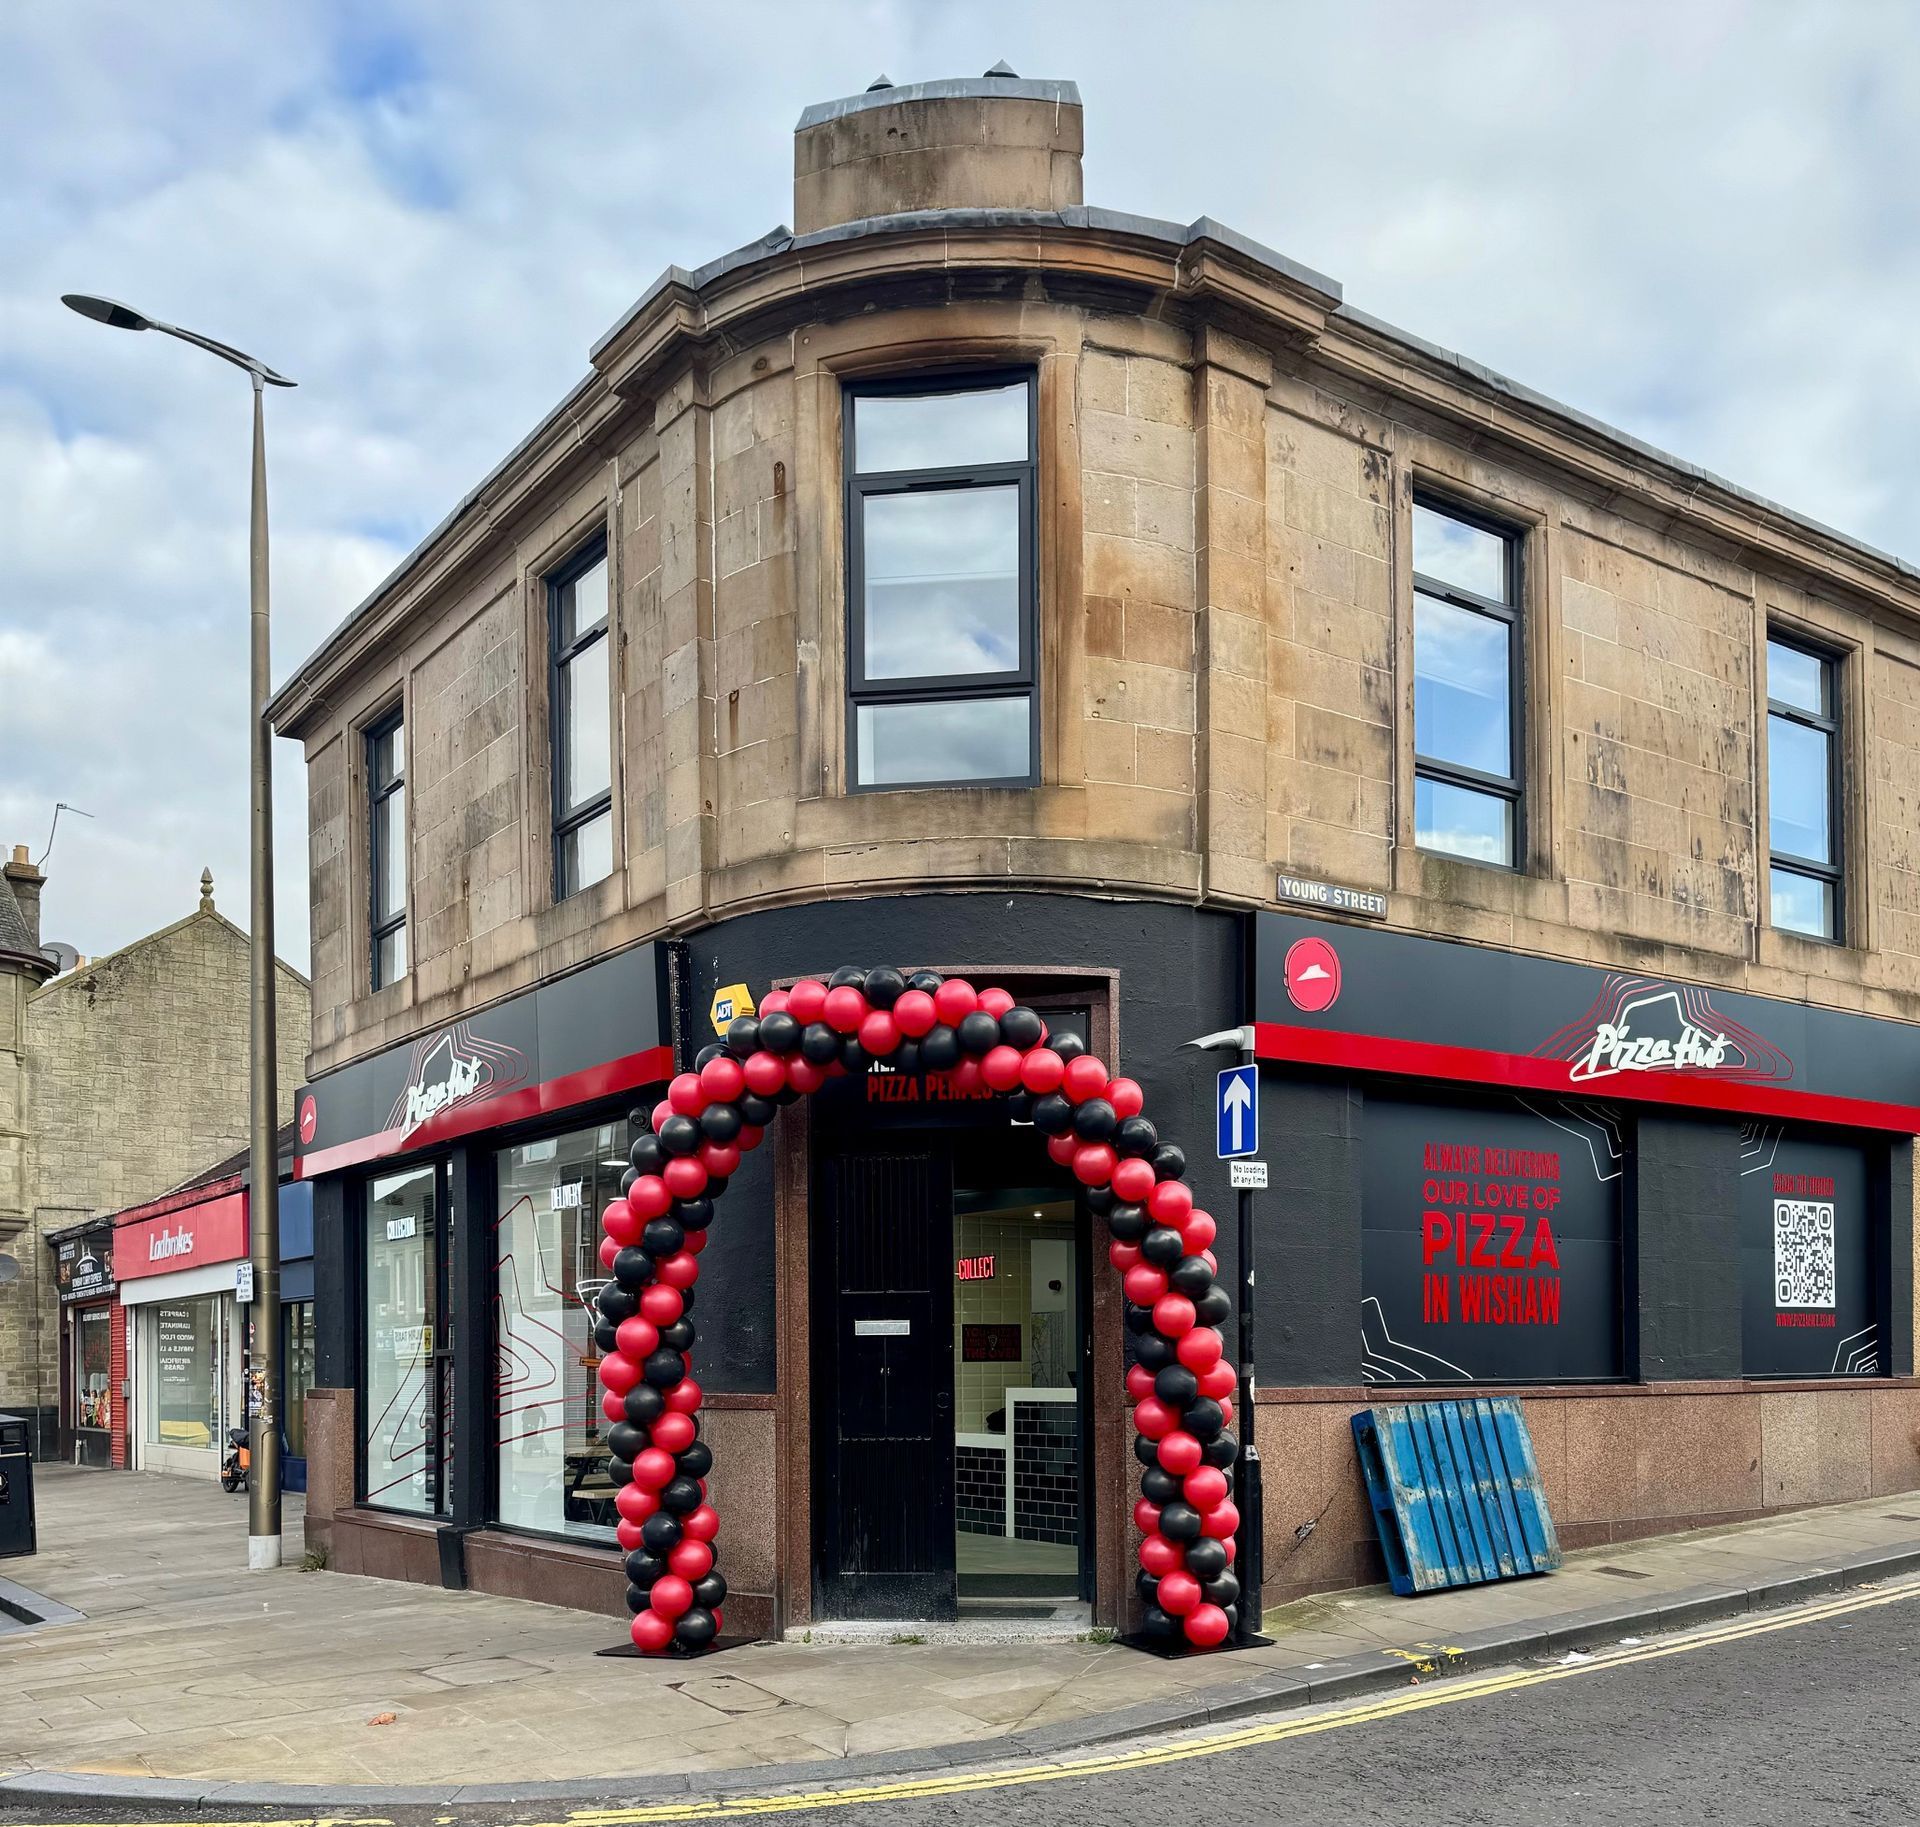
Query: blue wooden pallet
[(1455, 1492)]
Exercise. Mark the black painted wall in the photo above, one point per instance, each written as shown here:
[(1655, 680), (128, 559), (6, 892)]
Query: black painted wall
[(1307, 1230), (1682, 1241), (335, 1363)]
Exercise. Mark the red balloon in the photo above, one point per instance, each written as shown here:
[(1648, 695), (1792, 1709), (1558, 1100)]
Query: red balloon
[(1001, 1067), (1198, 1231), (674, 1432), (719, 1158), (879, 1033), (1205, 1488), (1219, 1382), (671, 1595), (620, 1222), (996, 1002), (1180, 1453), (1170, 1202), (696, 1242), (651, 1632), (965, 1077), (654, 1469), (954, 1001), (1042, 1070), (1199, 1349), (914, 1013), (749, 1137), (1062, 1149), (1211, 1260), (685, 1396), (1126, 1097), (1173, 1316), (1139, 1382), (1227, 1542), (1085, 1077), (690, 1559), (1133, 1180), (661, 1111), (1160, 1556), (1226, 1411), (679, 1270), (1093, 1165), (846, 1009), (618, 1372), (1179, 1592), (765, 1073), (649, 1197), (1145, 1284), (723, 1079), (627, 1534), (1153, 1419), (702, 1525), (661, 1304), (687, 1095), (773, 1002), (686, 1177), (635, 1502), (1146, 1517), (804, 1076), (807, 1001), (612, 1406), (608, 1251), (638, 1338), (1222, 1522), (1123, 1256), (1206, 1626)]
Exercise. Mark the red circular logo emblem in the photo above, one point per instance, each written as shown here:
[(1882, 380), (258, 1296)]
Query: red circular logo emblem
[(309, 1118), (1313, 975)]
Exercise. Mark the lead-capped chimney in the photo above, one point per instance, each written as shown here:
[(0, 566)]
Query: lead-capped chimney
[(997, 141)]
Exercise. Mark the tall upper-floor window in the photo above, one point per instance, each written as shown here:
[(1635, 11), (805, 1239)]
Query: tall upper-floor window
[(941, 588), (582, 734), (1803, 789), (387, 848), (1467, 711)]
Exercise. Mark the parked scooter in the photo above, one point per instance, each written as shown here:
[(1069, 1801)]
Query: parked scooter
[(238, 1463)]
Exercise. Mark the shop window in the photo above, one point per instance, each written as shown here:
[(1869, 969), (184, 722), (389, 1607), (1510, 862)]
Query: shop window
[(553, 1468), (92, 1369), (1467, 711), (387, 848), (184, 1362), (401, 1289), (297, 1360), (1803, 803), (941, 582), (580, 697)]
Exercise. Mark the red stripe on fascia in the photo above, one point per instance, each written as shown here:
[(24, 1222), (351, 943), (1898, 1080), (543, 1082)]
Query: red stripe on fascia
[(1522, 1072), (514, 1106)]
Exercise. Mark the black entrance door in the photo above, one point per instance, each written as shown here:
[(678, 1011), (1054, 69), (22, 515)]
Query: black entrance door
[(883, 1385)]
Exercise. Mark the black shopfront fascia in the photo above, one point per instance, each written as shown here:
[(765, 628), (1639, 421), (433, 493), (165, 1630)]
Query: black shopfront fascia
[(1689, 1087)]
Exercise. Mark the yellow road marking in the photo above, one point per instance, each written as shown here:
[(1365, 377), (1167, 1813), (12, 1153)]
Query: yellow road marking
[(974, 1782)]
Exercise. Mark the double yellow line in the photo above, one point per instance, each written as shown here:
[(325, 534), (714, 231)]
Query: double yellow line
[(1450, 1692)]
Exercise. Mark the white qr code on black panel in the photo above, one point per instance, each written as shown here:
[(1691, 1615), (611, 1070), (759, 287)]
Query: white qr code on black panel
[(1802, 1253)]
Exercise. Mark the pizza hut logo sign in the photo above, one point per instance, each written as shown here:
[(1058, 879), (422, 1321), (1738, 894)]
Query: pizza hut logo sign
[(1620, 1047), (1639, 1026), (450, 1068)]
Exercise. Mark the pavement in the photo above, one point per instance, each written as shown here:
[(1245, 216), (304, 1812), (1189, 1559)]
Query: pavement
[(188, 1681)]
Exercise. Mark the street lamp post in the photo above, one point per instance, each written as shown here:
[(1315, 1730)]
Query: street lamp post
[(263, 1510)]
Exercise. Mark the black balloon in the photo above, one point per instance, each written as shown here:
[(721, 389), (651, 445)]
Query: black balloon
[(618, 1303), (678, 1335), (638, 1598), (1176, 1386), (661, 1532), (1223, 1590), (681, 1497), (1157, 1484), (711, 1590), (644, 1568), (1145, 1451), (939, 1050), (694, 1214), (847, 977), (645, 1404), (707, 1055), (786, 1095), (853, 1056), (1147, 1586), (884, 986), (1129, 1223), (605, 1336), (1206, 1559), (1136, 1136), (925, 981), (1202, 1417), (1169, 1162), (1153, 1351), (1095, 1120), (697, 1460), (625, 1441), (820, 1044), (755, 1109), (906, 1056), (646, 1154), (1180, 1522), (619, 1470), (779, 1032), (1190, 1275), (979, 1033), (1020, 1106), (633, 1267), (1213, 1308), (1068, 1046), (1052, 1114), (628, 1181), (680, 1135), (1139, 1319), (664, 1368), (1100, 1200), (695, 1627), (662, 1236), (720, 1122), (1162, 1247), (1021, 1028), (1222, 1451), (743, 1036), (1157, 1626)]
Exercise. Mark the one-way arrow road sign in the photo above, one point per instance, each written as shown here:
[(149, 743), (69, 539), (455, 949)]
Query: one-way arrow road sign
[(1237, 1111)]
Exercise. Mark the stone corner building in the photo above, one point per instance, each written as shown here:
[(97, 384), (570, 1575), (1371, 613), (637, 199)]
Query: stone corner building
[(970, 577), (120, 1077)]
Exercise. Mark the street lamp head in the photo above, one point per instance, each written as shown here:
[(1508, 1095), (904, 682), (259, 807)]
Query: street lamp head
[(106, 311)]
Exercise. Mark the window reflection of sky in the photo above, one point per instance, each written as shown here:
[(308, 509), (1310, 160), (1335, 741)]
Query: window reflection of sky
[(1460, 693), (897, 431), (964, 739), (1451, 552), (1460, 822), (942, 584), (1798, 809)]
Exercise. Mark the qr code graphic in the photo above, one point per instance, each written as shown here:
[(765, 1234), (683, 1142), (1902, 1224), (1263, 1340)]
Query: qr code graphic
[(1802, 1253)]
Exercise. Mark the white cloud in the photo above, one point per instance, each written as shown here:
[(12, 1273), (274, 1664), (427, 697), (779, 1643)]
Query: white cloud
[(1695, 221)]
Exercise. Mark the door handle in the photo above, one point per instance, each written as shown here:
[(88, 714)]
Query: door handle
[(943, 1401)]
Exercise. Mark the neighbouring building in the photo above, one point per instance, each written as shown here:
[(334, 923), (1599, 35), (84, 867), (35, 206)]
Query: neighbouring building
[(967, 577), (128, 1075)]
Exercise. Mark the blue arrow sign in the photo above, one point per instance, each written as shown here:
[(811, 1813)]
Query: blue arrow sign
[(1236, 1111)]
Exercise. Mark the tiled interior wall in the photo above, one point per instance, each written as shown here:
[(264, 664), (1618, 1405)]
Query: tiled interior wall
[(980, 1490), (979, 1389)]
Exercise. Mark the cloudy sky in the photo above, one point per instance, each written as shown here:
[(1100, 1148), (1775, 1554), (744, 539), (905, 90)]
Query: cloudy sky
[(1696, 219)]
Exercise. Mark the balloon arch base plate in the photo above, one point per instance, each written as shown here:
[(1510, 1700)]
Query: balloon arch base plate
[(678, 1651), (1174, 1649)]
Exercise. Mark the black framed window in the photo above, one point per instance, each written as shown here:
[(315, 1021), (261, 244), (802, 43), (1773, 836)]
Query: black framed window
[(1468, 714), (1803, 789), (941, 582), (387, 849), (580, 693)]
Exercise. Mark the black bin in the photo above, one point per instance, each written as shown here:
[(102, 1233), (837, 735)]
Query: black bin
[(16, 1487)]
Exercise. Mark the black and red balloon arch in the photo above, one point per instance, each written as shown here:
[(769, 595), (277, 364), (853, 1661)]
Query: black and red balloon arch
[(684, 1153)]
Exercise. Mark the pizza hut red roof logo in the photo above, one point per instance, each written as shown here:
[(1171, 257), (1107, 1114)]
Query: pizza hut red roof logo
[(1313, 975), (453, 1067), (1641, 1025), (309, 1119)]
